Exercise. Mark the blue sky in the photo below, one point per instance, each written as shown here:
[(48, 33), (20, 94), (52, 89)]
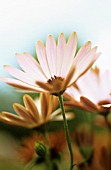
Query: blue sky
[(23, 22)]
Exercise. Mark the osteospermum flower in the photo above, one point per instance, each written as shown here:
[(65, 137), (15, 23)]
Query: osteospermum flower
[(27, 148), (59, 66), (34, 112), (101, 158), (92, 91)]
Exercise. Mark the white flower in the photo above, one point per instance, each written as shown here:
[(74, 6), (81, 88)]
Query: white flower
[(58, 65), (92, 91)]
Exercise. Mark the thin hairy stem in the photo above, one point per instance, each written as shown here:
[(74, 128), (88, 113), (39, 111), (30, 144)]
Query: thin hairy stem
[(60, 97)]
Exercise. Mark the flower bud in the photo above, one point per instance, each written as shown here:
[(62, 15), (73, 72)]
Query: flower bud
[(40, 149)]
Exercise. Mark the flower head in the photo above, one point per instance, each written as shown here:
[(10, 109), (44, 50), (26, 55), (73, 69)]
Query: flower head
[(92, 91), (59, 66), (101, 158), (34, 112), (27, 148)]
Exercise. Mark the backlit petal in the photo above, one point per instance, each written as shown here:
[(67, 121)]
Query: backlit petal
[(69, 54), (25, 77), (29, 65), (51, 52), (84, 64), (20, 85), (21, 111), (41, 54), (60, 53), (30, 105)]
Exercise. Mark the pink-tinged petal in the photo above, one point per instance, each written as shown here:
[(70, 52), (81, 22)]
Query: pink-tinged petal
[(87, 80), (20, 75), (30, 65), (41, 54), (72, 92), (30, 105), (60, 53), (20, 85), (36, 66), (84, 64), (105, 89), (89, 63), (69, 77), (82, 52), (69, 54), (51, 52)]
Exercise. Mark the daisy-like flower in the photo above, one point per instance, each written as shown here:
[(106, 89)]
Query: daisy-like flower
[(58, 68), (92, 91), (27, 148), (101, 158), (34, 112)]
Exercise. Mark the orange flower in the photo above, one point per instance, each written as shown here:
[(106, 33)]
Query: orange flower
[(34, 112), (56, 140), (101, 158)]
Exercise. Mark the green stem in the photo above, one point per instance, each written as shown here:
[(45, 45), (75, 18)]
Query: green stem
[(48, 154), (30, 164), (60, 97)]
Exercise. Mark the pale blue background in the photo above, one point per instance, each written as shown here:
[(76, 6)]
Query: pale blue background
[(23, 22)]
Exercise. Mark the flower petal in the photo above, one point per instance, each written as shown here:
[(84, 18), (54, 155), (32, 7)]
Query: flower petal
[(69, 54), (22, 112), (83, 51), (51, 52), (46, 87), (20, 75), (12, 119), (46, 104), (88, 105), (84, 64), (30, 65), (21, 85), (60, 53), (41, 54), (57, 116), (69, 77), (69, 116), (30, 105)]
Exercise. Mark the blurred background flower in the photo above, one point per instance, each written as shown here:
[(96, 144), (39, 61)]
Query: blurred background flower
[(92, 91)]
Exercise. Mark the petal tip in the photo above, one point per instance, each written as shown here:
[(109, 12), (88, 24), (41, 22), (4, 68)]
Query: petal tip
[(25, 96), (5, 66), (38, 43), (50, 36), (14, 105), (88, 43), (62, 34), (74, 33), (16, 54), (25, 53)]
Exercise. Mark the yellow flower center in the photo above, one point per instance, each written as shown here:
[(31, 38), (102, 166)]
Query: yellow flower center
[(57, 84)]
